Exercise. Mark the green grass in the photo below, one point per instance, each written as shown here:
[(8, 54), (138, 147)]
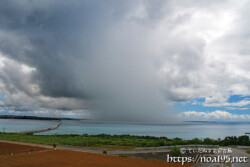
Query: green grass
[(248, 151), (123, 155), (125, 141)]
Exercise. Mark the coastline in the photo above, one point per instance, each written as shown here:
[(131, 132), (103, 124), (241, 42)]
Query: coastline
[(79, 127)]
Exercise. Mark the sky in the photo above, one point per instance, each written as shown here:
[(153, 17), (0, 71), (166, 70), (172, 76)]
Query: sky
[(158, 61)]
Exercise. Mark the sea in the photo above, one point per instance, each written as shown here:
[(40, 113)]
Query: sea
[(185, 130)]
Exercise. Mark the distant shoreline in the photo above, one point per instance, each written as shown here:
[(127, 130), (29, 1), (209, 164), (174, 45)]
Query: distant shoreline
[(133, 123), (35, 117)]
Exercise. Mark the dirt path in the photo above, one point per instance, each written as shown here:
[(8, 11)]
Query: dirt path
[(66, 158), (63, 158), (25, 143), (7, 149), (88, 149), (240, 153)]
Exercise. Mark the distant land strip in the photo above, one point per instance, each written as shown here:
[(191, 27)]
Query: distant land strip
[(35, 117)]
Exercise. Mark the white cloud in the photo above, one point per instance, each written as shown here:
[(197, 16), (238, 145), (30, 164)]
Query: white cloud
[(236, 108), (215, 115), (27, 69), (21, 95), (218, 98), (227, 104), (195, 102)]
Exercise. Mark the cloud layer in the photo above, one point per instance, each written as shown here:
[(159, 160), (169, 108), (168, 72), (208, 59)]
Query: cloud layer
[(126, 60), (215, 116)]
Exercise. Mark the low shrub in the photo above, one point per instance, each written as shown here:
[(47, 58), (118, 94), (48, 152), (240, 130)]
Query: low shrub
[(175, 152), (122, 155)]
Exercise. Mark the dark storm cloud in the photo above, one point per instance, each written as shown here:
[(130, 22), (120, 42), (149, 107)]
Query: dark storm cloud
[(124, 60), (70, 45)]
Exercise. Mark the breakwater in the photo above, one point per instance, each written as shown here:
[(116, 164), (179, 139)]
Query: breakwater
[(40, 130)]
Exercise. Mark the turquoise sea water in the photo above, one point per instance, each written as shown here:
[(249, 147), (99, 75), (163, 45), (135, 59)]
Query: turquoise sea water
[(185, 131)]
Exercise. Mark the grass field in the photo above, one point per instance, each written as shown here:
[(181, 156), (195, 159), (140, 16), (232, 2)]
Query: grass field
[(121, 141)]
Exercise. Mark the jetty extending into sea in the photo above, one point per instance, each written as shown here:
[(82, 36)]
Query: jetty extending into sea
[(40, 130)]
